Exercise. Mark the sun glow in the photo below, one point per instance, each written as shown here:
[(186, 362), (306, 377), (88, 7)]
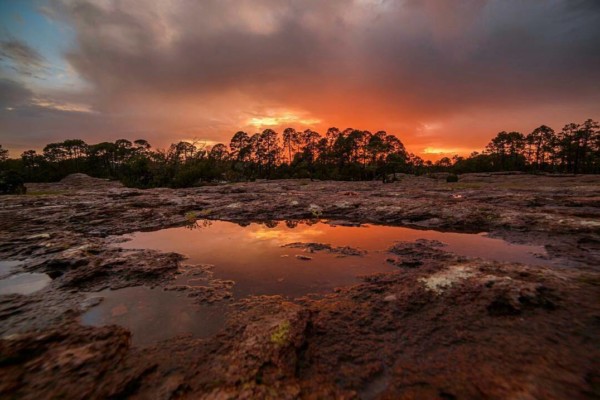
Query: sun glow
[(438, 151), (282, 119)]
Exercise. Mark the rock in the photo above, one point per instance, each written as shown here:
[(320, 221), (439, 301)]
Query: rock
[(86, 182), (443, 280), (39, 236), (429, 223), (51, 359), (390, 297), (91, 302), (342, 204), (266, 351), (414, 254), (531, 331), (316, 247), (315, 210)]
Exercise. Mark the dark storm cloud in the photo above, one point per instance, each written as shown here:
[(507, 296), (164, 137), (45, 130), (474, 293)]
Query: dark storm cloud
[(507, 53), (190, 66), (212, 48), (13, 94), (423, 54)]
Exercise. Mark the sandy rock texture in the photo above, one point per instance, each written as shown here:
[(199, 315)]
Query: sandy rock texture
[(439, 327)]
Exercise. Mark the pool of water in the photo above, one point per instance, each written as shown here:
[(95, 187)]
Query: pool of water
[(257, 259), (6, 267), (254, 257), (24, 283), (153, 315)]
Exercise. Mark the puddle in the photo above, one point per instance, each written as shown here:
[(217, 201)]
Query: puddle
[(25, 283), (6, 267), (153, 315), (254, 258)]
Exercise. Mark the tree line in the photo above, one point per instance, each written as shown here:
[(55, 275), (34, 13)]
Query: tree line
[(348, 154)]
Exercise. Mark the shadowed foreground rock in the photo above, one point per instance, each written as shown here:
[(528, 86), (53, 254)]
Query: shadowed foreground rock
[(442, 326)]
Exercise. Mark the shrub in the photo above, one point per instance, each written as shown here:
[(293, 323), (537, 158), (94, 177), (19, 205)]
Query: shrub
[(12, 182), (452, 178)]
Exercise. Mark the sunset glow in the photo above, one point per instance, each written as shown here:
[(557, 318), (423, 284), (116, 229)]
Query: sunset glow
[(443, 77), (433, 151), (287, 119)]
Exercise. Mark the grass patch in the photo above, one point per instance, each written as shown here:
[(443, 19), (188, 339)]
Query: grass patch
[(191, 216)]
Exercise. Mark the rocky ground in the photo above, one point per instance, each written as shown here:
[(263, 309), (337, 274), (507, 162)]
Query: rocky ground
[(441, 326)]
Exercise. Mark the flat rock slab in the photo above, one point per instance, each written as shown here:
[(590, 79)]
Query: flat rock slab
[(441, 326)]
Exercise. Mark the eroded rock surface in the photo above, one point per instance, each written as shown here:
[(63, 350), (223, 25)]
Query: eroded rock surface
[(316, 247), (441, 326)]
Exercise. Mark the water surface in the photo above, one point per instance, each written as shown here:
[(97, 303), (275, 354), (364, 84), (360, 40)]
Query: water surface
[(6, 267), (24, 283), (153, 315), (256, 259)]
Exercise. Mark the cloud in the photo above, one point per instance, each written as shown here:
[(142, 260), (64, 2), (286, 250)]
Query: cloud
[(13, 94), (24, 58), (206, 69), (423, 55), (51, 104)]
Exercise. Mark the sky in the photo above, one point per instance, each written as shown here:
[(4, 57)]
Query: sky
[(444, 76)]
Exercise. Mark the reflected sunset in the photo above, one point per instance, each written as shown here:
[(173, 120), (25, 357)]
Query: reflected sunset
[(259, 258)]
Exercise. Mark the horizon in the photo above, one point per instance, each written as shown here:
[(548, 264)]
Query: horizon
[(443, 78), (429, 155)]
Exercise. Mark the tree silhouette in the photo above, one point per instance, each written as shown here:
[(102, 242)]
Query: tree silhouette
[(3, 154), (350, 154), (291, 143), (540, 143)]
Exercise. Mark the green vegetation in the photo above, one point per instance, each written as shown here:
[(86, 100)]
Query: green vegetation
[(191, 216), (339, 155), (281, 335)]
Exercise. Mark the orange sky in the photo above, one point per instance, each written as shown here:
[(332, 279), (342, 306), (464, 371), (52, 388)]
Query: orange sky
[(443, 76)]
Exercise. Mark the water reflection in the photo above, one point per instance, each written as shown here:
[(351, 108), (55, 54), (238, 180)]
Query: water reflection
[(25, 283), (254, 258), (198, 224), (153, 315), (6, 267)]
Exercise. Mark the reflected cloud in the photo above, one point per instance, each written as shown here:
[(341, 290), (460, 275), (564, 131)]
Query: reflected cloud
[(286, 235)]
